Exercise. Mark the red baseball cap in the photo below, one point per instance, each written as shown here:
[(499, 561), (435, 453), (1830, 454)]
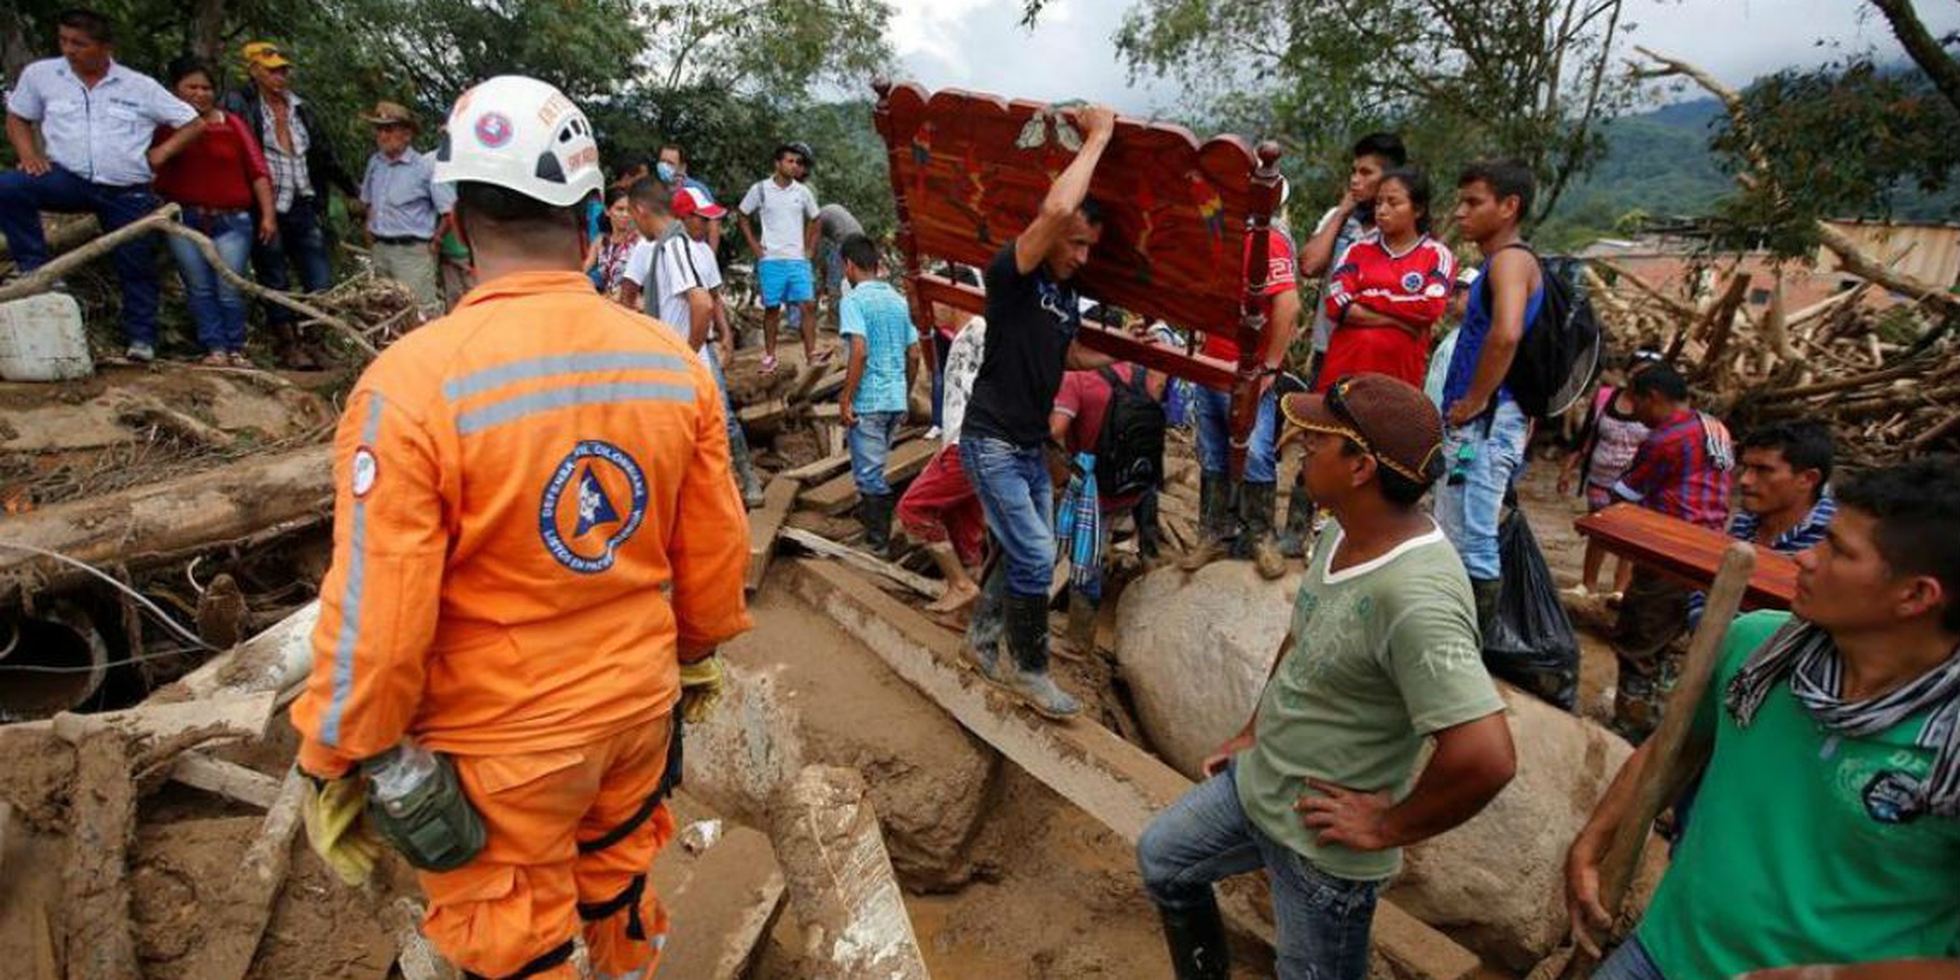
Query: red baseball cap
[(691, 202)]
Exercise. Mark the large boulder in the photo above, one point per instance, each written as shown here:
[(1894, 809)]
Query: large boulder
[(1196, 651)]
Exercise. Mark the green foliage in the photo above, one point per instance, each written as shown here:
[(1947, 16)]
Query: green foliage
[(1458, 78), (1844, 140)]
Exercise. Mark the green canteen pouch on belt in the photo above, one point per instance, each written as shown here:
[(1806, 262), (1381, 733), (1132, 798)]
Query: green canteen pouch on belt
[(433, 825)]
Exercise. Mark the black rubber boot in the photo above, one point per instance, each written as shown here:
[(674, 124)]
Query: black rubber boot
[(1256, 515), (1214, 522), (1027, 639), (875, 513), (1196, 938), (1486, 590), (1299, 523), (743, 465)]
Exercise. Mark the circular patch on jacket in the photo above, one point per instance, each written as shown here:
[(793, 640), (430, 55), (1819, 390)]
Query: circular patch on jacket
[(493, 129), (595, 500), (1412, 282), (366, 469)]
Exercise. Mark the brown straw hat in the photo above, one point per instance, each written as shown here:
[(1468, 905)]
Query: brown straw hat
[(1388, 418)]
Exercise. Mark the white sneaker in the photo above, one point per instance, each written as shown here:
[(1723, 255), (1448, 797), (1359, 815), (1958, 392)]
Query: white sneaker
[(141, 353), (932, 433)]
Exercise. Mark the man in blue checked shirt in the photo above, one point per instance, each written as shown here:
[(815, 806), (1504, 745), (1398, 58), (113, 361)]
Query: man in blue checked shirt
[(97, 119), (875, 321), (1785, 486), (407, 209)]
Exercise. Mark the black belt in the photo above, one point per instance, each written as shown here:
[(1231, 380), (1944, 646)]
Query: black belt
[(399, 240)]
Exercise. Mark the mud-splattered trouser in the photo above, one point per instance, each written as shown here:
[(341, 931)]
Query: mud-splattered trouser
[(1653, 614), (572, 833)]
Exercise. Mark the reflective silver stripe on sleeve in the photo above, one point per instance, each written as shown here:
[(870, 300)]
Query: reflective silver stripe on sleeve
[(553, 365), (350, 596), (603, 393)]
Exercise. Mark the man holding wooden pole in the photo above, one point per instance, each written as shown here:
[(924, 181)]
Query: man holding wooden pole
[(1826, 838)]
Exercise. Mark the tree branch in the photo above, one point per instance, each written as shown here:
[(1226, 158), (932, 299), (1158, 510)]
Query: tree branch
[(1850, 256), (1925, 50)]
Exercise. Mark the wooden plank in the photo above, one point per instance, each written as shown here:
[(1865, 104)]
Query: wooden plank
[(248, 903), (731, 892), (1687, 552), (821, 469), (930, 588), (245, 716), (840, 879), (765, 522), (227, 779), (827, 412), (1116, 782), (836, 495)]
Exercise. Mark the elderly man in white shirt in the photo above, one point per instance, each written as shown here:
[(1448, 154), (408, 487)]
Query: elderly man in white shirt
[(98, 120)]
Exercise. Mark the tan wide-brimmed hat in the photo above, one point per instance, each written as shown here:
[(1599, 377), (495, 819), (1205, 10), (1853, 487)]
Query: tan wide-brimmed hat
[(386, 113)]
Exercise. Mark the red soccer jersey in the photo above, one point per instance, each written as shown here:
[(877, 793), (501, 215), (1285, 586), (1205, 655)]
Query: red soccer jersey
[(1413, 287), (1279, 279)]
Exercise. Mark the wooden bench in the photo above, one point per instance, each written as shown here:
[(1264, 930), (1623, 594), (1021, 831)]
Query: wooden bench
[(1687, 552)]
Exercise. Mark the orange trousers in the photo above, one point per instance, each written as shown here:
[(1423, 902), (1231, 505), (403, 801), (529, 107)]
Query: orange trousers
[(513, 911)]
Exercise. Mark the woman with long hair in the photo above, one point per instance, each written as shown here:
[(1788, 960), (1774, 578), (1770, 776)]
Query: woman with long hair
[(608, 251), (219, 180), (1388, 290)]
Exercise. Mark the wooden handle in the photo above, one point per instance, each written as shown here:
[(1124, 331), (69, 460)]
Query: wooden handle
[(1671, 762)]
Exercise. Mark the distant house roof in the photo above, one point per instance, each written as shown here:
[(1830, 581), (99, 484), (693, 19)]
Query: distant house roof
[(1925, 251)]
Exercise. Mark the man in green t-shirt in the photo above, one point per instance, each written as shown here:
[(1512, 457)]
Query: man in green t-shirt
[(1825, 843), (1383, 652)]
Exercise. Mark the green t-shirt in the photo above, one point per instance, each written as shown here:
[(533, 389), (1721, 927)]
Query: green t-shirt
[(1786, 859), (1384, 653)]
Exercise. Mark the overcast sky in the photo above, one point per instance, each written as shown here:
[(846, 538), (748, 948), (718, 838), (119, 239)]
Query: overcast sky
[(979, 44)]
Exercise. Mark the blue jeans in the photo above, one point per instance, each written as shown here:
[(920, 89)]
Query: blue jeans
[(1629, 962), (871, 442), (1482, 459), (1321, 922), (1214, 414), (302, 243), (1012, 484), (217, 307), (24, 197)]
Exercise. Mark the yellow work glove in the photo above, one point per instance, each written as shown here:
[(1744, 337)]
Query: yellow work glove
[(700, 689), (337, 827)]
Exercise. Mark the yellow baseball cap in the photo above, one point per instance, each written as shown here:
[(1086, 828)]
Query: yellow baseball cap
[(263, 54)]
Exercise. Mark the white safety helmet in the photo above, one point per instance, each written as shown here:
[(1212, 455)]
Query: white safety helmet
[(522, 134)]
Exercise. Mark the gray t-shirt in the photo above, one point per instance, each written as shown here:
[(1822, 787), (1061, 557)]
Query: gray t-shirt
[(835, 223), (1352, 230), (1385, 653)]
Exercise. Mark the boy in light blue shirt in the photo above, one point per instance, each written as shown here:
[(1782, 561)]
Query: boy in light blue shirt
[(877, 325)]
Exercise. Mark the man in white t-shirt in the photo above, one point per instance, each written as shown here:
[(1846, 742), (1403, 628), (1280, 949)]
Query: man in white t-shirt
[(789, 241), (674, 276)]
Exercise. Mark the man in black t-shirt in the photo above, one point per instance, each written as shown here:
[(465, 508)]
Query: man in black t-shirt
[(1032, 316)]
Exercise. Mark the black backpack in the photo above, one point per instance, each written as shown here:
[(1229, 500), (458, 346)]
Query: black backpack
[(1558, 359), (1130, 447)]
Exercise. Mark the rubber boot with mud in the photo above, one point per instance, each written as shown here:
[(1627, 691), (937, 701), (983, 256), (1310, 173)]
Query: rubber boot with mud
[(1299, 522), (980, 647), (286, 349), (745, 478), (1027, 639), (1256, 515), (1214, 522), (875, 514), (1080, 641), (1196, 937), (1486, 590)]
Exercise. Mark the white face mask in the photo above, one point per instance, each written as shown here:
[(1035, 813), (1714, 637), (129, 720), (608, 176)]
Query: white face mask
[(666, 172)]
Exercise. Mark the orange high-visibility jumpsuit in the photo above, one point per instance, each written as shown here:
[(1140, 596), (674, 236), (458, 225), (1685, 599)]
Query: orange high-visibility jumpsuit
[(534, 524)]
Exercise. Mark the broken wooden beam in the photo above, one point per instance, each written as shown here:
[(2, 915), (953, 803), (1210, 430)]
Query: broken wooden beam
[(277, 658), (233, 931), (1116, 782), (836, 495), (97, 929), (170, 519), (821, 469), (765, 522), (227, 779), (242, 717), (826, 548), (840, 879)]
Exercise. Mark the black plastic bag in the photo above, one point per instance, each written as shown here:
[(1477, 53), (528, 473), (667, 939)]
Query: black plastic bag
[(1530, 641)]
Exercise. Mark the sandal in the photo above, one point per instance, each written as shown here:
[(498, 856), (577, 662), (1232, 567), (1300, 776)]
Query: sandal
[(768, 364)]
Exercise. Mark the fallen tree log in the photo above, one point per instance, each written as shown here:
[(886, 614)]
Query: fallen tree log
[(165, 521), (44, 278)]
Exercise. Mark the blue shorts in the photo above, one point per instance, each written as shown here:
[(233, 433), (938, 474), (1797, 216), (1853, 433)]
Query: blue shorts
[(785, 281)]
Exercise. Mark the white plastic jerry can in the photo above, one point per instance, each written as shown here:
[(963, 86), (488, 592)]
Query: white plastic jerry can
[(42, 339)]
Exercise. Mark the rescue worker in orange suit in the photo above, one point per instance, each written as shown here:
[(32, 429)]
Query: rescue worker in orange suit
[(537, 549)]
